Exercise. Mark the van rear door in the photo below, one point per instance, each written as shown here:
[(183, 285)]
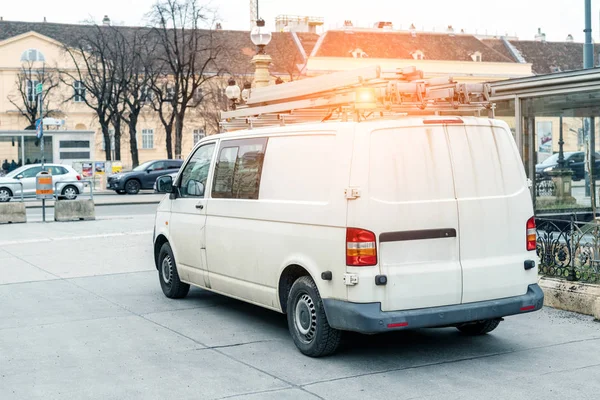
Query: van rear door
[(408, 201), (494, 205)]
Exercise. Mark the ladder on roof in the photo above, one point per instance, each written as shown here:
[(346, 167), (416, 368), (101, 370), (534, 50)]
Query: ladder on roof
[(358, 95)]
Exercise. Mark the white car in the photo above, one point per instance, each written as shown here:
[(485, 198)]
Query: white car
[(370, 226), (10, 183)]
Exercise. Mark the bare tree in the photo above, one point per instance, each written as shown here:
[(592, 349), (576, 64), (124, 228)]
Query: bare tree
[(95, 76), (186, 56), (286, 58), (139, 78), (25, 100)]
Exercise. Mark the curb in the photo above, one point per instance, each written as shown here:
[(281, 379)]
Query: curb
[(583, 298), (136, 203)]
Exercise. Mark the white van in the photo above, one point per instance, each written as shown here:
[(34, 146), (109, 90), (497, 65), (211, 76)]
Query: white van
[(370, 226)]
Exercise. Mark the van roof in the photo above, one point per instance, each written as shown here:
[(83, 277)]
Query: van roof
[(312, 127)]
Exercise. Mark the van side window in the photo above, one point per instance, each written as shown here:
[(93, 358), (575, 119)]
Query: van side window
[(195, 174), (239, 168)]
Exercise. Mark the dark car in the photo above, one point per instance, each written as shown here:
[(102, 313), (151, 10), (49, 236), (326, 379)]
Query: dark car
[(575, 161), (142, 177)]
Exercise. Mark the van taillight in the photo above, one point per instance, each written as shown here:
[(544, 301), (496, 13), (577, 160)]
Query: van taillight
[(531, 234), (361, 248)]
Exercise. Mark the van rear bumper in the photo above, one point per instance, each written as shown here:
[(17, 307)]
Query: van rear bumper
[(368, 317)]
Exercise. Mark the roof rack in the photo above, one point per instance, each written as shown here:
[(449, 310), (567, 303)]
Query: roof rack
[(358, 95)]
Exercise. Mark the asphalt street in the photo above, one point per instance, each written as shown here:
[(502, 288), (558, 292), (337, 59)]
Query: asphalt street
[(82, 316)]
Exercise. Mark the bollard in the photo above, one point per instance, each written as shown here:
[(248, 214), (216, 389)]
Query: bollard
[(74, 210), (12, 213)]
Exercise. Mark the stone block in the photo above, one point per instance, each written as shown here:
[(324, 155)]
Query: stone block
[(12, 212), (74, 210)]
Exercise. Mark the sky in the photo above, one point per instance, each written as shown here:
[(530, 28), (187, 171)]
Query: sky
[(556, 18)]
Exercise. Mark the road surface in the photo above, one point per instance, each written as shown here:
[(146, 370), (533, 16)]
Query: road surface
[(82, 316)]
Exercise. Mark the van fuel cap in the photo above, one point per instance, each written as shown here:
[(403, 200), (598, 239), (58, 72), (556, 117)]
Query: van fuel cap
[(381, 280)]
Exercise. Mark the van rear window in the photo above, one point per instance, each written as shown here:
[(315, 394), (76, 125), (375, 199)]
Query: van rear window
[(239, 169)]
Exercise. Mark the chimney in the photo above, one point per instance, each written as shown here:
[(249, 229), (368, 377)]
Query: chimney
[(347, 23), (106, 21), (218, 26), (540, 37), (413, 30), (450, 30), (570, 38), (44, 19)]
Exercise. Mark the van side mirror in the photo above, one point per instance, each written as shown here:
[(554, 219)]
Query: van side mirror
[(164, 184), (195, 188)]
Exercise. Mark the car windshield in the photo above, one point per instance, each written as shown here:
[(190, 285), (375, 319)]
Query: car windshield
[(17, 171), (553, 159), (142, 167)]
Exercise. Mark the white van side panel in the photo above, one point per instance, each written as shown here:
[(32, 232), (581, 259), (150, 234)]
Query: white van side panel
[(299, 219), (405, 175), (494, 205)]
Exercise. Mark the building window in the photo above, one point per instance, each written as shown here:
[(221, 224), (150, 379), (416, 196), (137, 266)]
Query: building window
[(198, 135), (147, 138), (74, 155), (78, 92), (418, 55), (32, 55), (145, 94), (198, 95), (476, 56), (74, 144), (31, 97), (239, 168), (169, 93)]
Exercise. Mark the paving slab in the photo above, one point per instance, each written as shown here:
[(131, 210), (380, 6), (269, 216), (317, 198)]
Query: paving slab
[(49, 302), (286, 394), (229, 324), (363, 354), (119, 358), (499, 377), (14, 270), (140, 293)]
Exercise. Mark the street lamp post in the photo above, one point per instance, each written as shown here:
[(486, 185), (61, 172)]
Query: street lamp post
[(233, 93), (561, 142), (261, 37)]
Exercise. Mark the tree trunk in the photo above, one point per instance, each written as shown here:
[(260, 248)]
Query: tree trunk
[(169, 140), (106, 136), (133, 147), (117, 126), (178, 136)]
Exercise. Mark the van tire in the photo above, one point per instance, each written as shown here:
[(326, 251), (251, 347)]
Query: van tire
[(479, 328), (170, 283), (305, 311)]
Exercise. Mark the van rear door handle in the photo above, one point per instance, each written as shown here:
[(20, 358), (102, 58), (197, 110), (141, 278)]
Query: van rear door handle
[(200, 206)]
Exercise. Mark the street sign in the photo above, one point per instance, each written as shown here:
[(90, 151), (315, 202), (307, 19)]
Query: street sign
[(38, 88), (43, 186)]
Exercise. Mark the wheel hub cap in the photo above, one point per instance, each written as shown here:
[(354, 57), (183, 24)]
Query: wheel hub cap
[(167, 269), (4, 195), (305, 317)]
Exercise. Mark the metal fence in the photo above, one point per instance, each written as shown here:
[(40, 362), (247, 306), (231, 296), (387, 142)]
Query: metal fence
[(545, 188), (569, 249)]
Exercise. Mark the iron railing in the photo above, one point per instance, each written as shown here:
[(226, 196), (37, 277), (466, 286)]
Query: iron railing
[(569, 249), (545, 188)]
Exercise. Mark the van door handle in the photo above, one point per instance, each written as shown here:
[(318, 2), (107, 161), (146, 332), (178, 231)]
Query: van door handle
[(200, 206)]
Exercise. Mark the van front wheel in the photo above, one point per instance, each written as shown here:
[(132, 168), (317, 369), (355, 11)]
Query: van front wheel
[(479, 328), (307, 321), (170, 284)]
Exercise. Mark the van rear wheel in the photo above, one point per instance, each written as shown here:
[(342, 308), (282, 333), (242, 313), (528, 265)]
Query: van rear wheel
[(479, 328), (170, 283), (307, 321)]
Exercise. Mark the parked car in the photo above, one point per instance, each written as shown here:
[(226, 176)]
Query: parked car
[(370, 226), (10, 187), (141, 177), (575, 161)]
